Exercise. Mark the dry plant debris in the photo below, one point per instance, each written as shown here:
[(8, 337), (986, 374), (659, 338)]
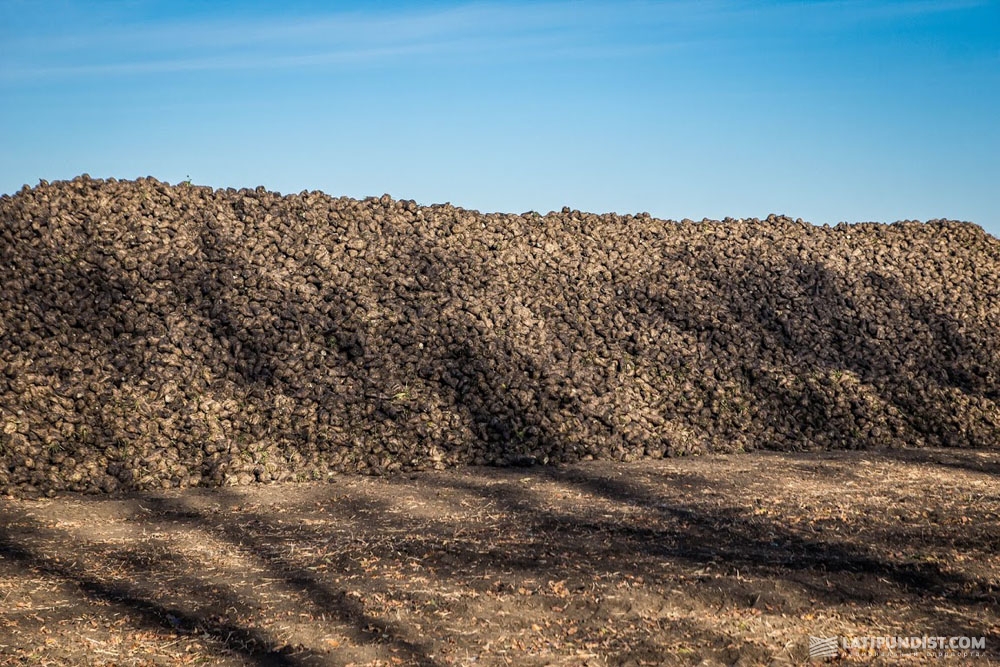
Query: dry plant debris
[(705, 560)]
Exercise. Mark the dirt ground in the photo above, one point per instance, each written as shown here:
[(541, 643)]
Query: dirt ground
[(694, 561)]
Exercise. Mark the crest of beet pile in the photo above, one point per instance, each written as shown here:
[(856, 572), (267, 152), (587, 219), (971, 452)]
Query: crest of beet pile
[(155, 335)]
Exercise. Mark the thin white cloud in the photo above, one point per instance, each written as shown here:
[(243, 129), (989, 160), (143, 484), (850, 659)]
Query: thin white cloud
[(566, 29), (260, 61), (353, 27), (332, 39), (866, 9), (249, 61)]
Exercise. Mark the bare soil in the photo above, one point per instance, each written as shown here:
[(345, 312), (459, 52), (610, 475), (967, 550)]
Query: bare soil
[(716, 559)]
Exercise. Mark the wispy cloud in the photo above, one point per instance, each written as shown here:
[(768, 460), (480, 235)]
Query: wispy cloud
[(568, 29), (836, 15), (869, 10), (502, 31)]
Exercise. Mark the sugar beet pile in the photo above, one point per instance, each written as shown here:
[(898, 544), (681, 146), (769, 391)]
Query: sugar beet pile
[(155, 335)]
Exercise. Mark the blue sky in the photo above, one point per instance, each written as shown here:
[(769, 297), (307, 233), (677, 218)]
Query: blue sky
[(828, 110)]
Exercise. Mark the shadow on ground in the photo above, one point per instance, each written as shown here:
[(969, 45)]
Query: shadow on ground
[(704, 560)]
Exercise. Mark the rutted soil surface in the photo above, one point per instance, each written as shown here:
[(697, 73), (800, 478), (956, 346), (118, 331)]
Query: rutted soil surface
[(706, 560), (170, 336)]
